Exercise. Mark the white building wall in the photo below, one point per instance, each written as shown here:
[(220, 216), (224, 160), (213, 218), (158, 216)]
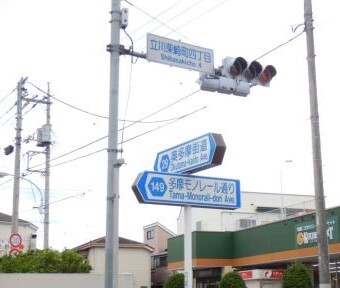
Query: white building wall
[(205, 219), (137, 262), (25, 232), (97, 260), (133, 261)]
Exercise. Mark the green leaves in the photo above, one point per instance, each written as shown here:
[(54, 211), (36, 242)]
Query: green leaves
[(297, 275), (232, 280), (45, 261), (175, 281)]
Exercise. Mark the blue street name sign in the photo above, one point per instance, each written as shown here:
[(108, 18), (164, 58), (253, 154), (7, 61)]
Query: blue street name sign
[(187, 190), (192, 156)]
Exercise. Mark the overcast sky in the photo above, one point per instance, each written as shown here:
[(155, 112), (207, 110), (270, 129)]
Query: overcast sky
[(64, 43)]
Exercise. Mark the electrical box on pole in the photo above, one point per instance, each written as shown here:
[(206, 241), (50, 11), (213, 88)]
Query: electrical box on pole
[(236, 76), (44, 135)]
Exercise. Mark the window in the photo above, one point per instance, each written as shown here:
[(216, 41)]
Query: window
[(246, 223), (150, 234), (159, 261)]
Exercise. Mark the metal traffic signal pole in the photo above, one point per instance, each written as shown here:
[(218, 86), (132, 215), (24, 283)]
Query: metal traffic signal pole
[(112, 207), (323, 257)]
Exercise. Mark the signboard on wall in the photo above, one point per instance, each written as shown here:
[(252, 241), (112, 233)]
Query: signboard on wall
[(306, 234)]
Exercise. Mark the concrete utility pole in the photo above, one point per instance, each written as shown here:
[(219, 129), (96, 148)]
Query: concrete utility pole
[(323, 257), (113, 164), (16, 185), (47, 174)]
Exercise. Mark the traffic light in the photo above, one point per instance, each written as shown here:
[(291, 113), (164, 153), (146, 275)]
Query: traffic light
[(9, 149), (268, 73), (236, 77), (234, 67), (238, 68)]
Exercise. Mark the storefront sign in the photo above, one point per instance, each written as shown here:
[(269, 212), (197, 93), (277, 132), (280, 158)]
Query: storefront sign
[(261, 274), (306, 234)]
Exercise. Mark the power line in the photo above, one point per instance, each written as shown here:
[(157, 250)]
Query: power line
[(165, 23), (130, 139), (69, 197), (72, 151), (152, 18), (100, 150), (179, 118), (10, 93), (3, 183), (9, 110), (133, 123), (281, 45), (129, 91), (67, 104), (199, 16)]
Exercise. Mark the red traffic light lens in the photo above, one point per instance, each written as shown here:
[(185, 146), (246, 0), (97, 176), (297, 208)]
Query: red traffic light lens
[(267, 74)]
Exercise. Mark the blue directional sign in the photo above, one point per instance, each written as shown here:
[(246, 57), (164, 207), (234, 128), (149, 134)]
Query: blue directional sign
[(192, 156), (187, 190)]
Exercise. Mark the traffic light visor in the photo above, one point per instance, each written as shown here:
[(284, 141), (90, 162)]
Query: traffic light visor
[(267, 74), (238, 66), (253, 70)]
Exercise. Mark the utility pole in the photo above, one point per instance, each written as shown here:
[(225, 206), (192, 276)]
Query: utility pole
[(16, 185), (47, 173), (323, 257), (113, 164)]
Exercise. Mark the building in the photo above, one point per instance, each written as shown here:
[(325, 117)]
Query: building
[(262, 245), (134, 259), (156, 235), (27, 231), (256, 208)]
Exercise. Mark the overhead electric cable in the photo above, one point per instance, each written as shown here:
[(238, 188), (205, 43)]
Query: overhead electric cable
[(69, 197), (137, 136), (164, 23), (74, 107), (198, 16), (3, 183), (93, 114), (70, 152), (33, 106), (279, 46), (155, 17), (9, 110), (129, 93), (10, 93), (157, 128)]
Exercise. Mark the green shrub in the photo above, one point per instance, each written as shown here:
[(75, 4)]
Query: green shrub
[(175, 281), (45, 261), (297, 275), (232, 280)]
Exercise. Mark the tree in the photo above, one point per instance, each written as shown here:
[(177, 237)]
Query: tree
[(232, 280), (45, 261), (175, 281), (297, 275)]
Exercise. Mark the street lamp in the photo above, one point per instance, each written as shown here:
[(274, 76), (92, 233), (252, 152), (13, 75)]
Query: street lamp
[(15, 220)]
